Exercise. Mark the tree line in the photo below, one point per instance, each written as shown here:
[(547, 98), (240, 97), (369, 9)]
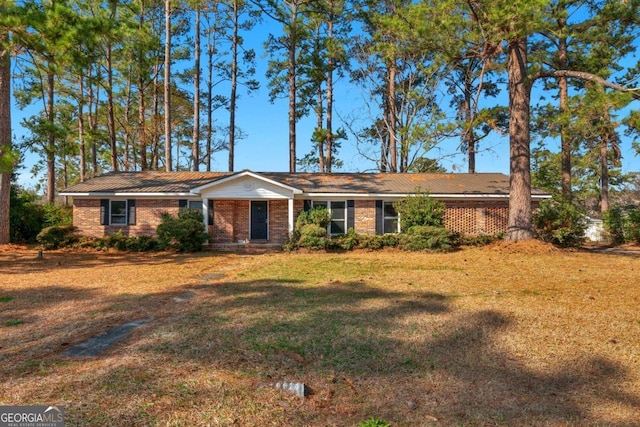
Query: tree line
[(126, 85)]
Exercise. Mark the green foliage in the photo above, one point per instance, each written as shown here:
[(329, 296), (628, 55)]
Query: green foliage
[(57, 215), (121, 242), (374, 422), (379, 241), (420, 210), (559, 222), (26, 217), (480, 240), (312, 236), (348, 241), (623, 224), (426, 238), (57, 236), (319, 216), (185, 232)]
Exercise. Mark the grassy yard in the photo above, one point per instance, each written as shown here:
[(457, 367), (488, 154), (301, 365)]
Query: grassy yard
[(509, 334)]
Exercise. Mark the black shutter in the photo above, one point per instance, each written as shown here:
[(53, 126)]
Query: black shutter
[(182, 203), (131, 211), (307, 205), (210, 212), (351, 216), (104, 211), (379, 217)]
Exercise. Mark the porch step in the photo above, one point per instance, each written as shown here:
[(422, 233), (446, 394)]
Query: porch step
[(245, 248)]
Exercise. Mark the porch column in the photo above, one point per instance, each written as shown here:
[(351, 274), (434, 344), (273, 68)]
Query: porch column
[(291, 215), (205, 214)]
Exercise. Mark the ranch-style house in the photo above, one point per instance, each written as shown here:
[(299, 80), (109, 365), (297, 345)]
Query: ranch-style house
[(261, 207)]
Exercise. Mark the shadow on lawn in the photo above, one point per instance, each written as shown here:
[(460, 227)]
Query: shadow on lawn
[(28, 262), (398, 347)]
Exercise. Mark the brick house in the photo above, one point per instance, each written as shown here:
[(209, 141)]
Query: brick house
[(262, 207)]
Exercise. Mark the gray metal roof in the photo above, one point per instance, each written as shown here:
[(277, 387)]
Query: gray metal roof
[(156, 182)]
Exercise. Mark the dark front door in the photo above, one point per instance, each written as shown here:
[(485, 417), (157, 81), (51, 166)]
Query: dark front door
[(258, 220)]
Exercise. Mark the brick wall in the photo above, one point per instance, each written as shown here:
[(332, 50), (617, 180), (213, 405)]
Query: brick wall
[(232, 218), (86, 217), (477, 217)]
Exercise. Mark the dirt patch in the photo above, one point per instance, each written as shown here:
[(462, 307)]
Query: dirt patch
[(528, 247)]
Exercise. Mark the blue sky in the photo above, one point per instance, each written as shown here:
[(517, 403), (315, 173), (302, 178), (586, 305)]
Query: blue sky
[(265, 125)]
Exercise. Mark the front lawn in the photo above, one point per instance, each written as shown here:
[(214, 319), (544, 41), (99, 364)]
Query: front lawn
[(509, 334)]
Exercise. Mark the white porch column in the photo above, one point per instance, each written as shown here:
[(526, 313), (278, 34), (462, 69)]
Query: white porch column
[(205, 214), (291, 215)]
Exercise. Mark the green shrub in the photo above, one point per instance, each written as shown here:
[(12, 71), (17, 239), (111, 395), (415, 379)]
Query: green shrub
[(479, 240), (26, 216), (313, 236), (185, 232), (349, 241), (426, 238), (142, 243), (57, 237), (57, 215), (420, 210), (319, 216), (560, 223), (623, 224)]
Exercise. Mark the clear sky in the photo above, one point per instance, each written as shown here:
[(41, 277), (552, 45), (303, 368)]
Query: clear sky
[(265, 125)]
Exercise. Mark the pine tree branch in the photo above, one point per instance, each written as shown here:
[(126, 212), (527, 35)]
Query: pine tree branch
[(583, 75)]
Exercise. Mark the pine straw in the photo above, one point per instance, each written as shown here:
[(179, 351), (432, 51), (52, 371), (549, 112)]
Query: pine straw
[(509, 334)]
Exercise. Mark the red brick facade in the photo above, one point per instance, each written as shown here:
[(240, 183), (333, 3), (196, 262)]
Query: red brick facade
[(231, 218)]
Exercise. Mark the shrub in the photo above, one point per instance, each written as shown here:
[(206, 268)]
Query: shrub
[(57, 237), (349, 241), (26, 217), (426, 238), (623, 224), (420, 210), (142, 244), (560, 223), (57, 215), (313, 236), (185, 232), (319, 216)]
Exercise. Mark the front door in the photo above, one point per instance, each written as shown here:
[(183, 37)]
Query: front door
[(259, 220)]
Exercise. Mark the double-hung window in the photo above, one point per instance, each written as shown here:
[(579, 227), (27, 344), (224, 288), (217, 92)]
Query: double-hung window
[(118, 211), (390, 218), (195, 204), (338, 211)]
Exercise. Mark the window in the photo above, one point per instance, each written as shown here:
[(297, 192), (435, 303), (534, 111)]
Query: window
[(118, 212), (195, 204), (390, 218), (338, 218), (338, 211)]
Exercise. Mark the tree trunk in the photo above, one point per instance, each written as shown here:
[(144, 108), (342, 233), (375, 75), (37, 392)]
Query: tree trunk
[(234, 87), (469, 135), (392, 118), (111, 113), (6, 165), (210, 53), (604, 171), (520, 222), (330, 66), (51, 143), (292, 93), (81, 132), (195, 144), (167, 85), (565, 142)]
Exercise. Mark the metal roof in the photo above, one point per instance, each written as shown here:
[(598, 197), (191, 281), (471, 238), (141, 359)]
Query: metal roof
[(157, 182)]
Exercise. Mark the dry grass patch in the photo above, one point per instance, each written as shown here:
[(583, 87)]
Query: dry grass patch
[(508, 334)]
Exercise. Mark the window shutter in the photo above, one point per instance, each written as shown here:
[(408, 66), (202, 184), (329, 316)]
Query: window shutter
[(104, 211), (210, 212), (131, 211), (182, 203), (379, 217), (351, 216), (307, 205)]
